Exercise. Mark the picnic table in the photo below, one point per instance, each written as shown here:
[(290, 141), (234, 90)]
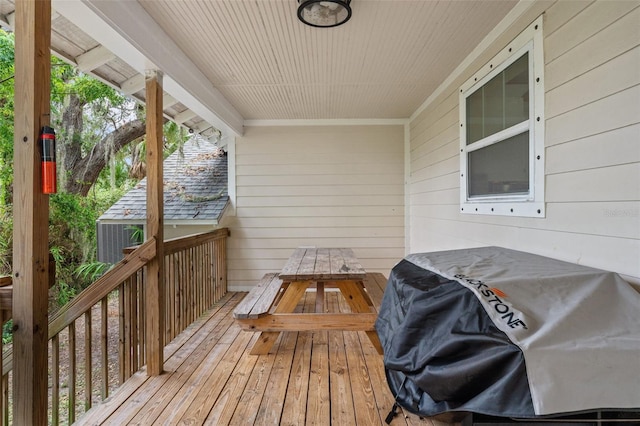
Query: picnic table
[(270, 306)]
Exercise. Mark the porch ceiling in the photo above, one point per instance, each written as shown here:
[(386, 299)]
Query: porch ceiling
[(228, 61)]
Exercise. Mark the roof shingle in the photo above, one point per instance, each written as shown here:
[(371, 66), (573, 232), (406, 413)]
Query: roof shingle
[(195, 187)]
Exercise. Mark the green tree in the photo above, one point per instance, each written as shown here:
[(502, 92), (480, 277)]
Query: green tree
[(6, 116), (94, 122), (100, 141)]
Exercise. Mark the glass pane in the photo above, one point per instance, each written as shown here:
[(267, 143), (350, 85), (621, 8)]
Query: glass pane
[(516, 100), (493, 105), (501, 103), (501, 168), (474, 117)]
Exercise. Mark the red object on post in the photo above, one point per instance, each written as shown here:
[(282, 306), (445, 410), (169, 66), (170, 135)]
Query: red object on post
[(48, 151)]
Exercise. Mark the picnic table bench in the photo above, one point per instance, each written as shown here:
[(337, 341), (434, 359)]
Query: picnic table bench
[(269, 307)]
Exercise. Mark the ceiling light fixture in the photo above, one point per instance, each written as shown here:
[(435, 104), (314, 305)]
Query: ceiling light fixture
[(324, 14)]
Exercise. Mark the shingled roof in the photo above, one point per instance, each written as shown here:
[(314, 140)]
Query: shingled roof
[(195, 188)]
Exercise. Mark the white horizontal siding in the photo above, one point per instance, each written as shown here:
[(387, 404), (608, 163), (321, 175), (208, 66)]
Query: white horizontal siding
[(323, 186), (595, 85), (305, 190), (592, 150), (617, 38), (618, 146)]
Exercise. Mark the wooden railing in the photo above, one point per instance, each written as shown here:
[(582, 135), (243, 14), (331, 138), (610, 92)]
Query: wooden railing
[(80, 361), (188, 262)]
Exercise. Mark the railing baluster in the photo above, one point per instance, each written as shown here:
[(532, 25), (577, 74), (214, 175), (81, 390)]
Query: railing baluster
[(214, 271), (214, 275), (88, 370), (191, 281), (140, 314), (196, 292), (143, 314), (5, 399), (175, 300), (104, 347), (216, 282), (55, 380), (196, 289), (181, 279), (200, 279), (171, 296), (189, 298), (208, 281), (122, 351), (71, 386), (167, 298), (206, 277), (127, 329), (135, 321), (218, 269)]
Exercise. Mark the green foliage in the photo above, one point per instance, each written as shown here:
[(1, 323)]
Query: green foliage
[(71, 222), (64, 293), (137, 234), (174, 138), (7, 332), (72, 236), (6, 115), (92, 271), (66, 79), (6, 239)]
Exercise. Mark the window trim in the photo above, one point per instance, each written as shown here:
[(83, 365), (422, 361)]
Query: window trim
[(525, 205)]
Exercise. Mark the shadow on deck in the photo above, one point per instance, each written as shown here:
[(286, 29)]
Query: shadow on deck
[(322, 378)]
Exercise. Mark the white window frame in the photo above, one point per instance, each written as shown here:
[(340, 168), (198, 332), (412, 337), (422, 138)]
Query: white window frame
[(532, 203)]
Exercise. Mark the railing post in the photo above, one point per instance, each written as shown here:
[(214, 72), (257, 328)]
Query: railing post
[(31, 212), (154, 291)]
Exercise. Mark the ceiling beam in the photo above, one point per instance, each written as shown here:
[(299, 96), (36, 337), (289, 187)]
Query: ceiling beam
[(133, 85), (126, 29), (183, 116), (201, 126), (168, 101), (94, 58)]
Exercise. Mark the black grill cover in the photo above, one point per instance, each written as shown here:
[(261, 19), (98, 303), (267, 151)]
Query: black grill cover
[(442, 353)]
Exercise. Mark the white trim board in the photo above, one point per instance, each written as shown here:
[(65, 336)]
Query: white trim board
[(328, 122)]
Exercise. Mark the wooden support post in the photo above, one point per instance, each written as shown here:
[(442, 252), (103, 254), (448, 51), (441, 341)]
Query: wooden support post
[(154, 291), (30, 213)]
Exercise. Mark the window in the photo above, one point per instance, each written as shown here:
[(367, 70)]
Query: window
[(502, 131)]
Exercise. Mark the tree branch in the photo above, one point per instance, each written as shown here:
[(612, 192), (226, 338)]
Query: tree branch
[(84, 174)]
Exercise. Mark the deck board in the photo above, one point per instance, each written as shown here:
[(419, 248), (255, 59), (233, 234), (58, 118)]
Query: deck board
[(342, 408), (322, 378)]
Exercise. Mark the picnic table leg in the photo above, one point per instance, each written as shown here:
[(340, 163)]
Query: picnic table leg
[(358, 300), (319, 297), (286, 304), (265, 341)]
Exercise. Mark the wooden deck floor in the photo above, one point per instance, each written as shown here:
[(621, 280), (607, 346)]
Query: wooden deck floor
[(319, 378)]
